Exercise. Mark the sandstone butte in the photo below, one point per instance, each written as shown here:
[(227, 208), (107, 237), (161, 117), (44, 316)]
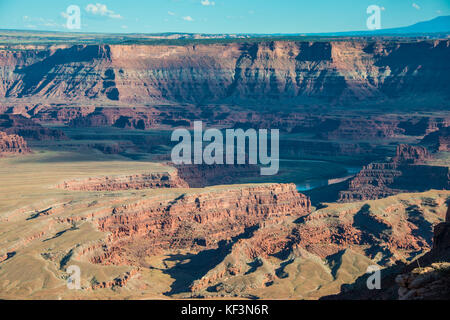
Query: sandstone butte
[(405, 172), (12, 144)]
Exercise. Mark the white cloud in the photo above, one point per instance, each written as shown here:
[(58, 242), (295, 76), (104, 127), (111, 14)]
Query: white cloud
[(383, 8), (102, 10), (33, 22), (207, 3), (188, 18), (170, 13), (416, 6)]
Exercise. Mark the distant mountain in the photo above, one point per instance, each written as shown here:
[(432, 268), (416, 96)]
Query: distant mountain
[(440, 25)]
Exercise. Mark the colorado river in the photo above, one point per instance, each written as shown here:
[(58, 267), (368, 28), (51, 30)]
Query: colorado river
[(316, 183)]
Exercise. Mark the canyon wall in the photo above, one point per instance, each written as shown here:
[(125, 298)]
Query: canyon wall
[(28, 129), (386, 231), (183, 176), (236, 73), (126, 182), (193, 221), (199, 176)]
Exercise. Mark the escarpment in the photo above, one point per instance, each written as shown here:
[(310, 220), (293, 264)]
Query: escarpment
[(441, 238), (407, 154), (249, 236), (27, 128), (193, 221), (406, 172), (238, 73), (183, 176), (126, 182)]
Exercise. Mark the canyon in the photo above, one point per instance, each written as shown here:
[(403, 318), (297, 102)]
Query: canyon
[(86, 177)]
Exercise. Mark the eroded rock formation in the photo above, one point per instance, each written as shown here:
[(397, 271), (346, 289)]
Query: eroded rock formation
[(28, 129), (137, 182), (428, 283), (194, 221), (431, 282), (12, 144), (325, 238), (183, 176), (404, 173), (307, 72), (438, 140)]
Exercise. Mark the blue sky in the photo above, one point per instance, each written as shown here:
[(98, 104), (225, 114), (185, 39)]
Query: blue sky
[(216, 16)]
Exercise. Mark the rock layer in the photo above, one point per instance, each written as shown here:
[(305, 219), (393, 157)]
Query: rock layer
[(114, 183), (28, 129), (406, 172), (274, 71), (194, 221), (12, 144)]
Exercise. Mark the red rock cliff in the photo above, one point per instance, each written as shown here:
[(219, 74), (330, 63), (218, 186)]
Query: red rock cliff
[(12, 144), (194, 221), (274, 71)]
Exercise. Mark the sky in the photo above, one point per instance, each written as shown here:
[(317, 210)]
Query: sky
[(215, 16)]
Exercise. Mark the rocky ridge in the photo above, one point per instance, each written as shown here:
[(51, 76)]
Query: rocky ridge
[(11, 144)]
